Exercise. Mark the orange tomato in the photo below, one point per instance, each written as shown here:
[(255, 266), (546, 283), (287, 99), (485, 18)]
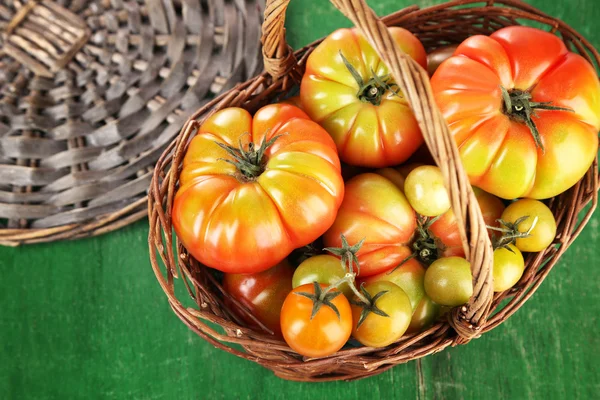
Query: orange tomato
[(376, 210), (371, 125), (249, 217), (320, 335), (497, 144)]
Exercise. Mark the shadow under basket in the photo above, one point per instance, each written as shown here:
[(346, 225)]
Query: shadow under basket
[(437, 26)]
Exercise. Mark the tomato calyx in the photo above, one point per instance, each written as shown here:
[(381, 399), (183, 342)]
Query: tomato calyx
[(375, 88), (425, 247), (347, 254), (368, 305), (510, 233), (249, 162), (322, 298), (519, 107)]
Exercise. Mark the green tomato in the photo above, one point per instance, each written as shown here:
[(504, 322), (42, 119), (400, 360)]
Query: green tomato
[(377, 330), (448, 281), (508, 268), (424, 315), (424, 188), (323, 268), (544, 231), (409, 277)]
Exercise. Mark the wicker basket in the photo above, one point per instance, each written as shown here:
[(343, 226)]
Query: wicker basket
[(92, 92), (435, 26)]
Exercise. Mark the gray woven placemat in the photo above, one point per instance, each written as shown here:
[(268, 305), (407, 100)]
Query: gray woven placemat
[(92, 92)]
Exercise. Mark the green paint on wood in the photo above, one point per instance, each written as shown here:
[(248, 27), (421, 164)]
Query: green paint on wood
[(87, 319)]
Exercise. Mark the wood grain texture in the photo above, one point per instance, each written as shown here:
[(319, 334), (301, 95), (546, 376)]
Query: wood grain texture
[(86, 319)]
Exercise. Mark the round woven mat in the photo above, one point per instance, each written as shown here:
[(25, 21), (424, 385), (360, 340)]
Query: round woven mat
[(92, 92)]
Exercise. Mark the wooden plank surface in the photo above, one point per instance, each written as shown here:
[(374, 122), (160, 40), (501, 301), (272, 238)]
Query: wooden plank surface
[(87, 319)]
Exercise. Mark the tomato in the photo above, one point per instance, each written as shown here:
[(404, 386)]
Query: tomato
[(425, 190), (424, 315), (508, 268), (448, 281), (397, 175), (249, 217), (438, 56), (262, 293), (371, 124), (409, 277), (381, 330), (376, 210), (544, 231), (445, 229), (323, 268), (499, 152), (320, 335)]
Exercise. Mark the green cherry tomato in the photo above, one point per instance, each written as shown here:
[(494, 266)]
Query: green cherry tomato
[(409, 277), (377, 330), (448, 281), (323, 268), (424, 188), (544, 231), (508, 268), (424, 315)]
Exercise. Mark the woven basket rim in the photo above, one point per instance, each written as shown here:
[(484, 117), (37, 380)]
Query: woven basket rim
[(276, 355)]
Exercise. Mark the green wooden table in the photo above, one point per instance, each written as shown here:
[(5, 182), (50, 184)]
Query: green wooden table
[(87, 319)]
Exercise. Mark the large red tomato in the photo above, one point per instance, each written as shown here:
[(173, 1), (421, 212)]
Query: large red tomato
[(262, 293), (276, 189), (347, 89), (374, 209), (496, 133)]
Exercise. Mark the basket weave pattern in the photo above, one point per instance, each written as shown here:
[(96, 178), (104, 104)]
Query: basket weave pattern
[(435, 26), (91, 93)]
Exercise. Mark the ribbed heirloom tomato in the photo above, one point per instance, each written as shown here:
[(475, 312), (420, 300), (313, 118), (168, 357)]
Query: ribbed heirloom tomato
[(376, 210), (524, 111), (254, 189), (347, 89)]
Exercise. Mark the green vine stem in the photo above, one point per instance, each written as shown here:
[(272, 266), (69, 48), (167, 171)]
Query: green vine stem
[(510, 232)]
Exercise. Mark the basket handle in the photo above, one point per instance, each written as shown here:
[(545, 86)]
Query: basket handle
[(414, 83), (278, 56)]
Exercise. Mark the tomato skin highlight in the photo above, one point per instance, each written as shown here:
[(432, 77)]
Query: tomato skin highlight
[(498, 151), (262, 293), (242, 225), (320, 336), (370, 134)]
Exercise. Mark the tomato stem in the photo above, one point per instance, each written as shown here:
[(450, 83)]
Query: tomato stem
[(375, 88), (349, 260), (249, 162), (519, 107), (510, 232), (369, 305)]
